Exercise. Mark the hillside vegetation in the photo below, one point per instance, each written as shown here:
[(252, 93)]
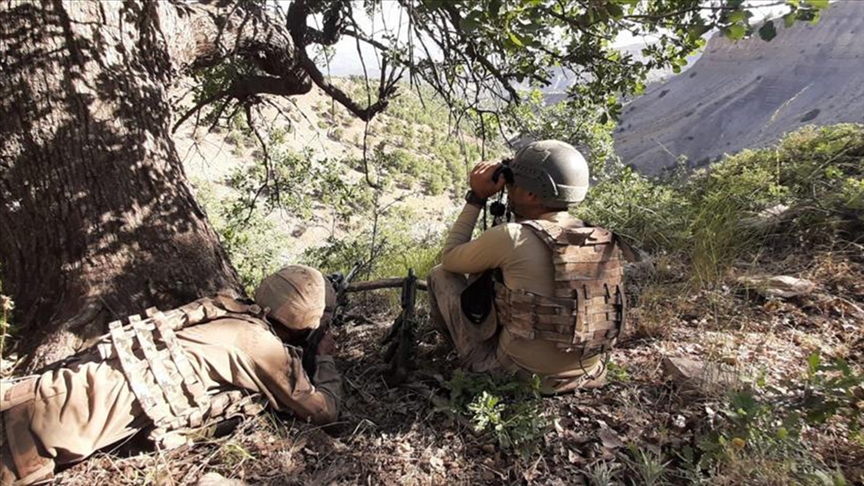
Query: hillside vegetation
[(786, 408), (331, 190)]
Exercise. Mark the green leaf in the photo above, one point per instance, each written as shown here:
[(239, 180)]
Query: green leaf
[(789, 19), (515, 39), (818, 4), (737, 16), (768, 31), (470, 22), (792, 3), (813, 362), (615, 11), (736, 32), (816, 17)]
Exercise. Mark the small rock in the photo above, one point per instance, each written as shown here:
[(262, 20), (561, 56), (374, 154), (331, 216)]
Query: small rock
[(767, 219), (782, 286), (575, 458), (216, 479), (697, 375)]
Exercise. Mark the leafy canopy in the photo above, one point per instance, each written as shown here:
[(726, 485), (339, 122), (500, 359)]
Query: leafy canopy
[(479, 54)]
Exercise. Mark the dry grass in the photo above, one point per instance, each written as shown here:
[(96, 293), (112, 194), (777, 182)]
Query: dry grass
[(394, 436)]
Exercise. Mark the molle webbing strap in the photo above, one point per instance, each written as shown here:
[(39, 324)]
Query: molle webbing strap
[(587, 310), (152, 404), (170, 388), (194, 313), (223, 406), (191, 381), (158, 370)]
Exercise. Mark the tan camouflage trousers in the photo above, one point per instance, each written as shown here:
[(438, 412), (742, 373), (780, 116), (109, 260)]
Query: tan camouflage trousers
[(476, 344)]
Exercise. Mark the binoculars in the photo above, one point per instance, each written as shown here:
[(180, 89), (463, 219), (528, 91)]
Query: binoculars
[(505, 170)]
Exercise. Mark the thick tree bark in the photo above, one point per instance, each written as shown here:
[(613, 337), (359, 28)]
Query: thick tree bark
[(97, 220)]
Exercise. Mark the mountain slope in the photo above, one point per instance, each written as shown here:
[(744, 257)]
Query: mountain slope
[(749, 93)]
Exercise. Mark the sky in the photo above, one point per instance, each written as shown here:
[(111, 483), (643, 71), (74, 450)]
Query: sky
[(347, 61)]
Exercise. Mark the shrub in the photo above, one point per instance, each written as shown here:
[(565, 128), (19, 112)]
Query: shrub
[(337, 134), (398, 246), (758, 437), (817, 173), (250, 239), (509, 410)]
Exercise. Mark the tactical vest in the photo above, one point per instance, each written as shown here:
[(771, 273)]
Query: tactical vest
[(586, 314), (160, 375)]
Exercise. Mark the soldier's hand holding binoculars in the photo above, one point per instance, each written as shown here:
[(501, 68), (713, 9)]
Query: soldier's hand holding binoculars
[(481, 181)]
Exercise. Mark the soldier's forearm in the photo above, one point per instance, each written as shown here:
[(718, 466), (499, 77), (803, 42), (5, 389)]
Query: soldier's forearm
[(463, 228), (329, 383)]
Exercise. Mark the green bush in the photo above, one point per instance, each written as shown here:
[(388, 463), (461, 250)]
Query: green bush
[(397, 248), (510, 410), (650, 215), (708, 219), (250, 239), (435, 184), (758, 435)]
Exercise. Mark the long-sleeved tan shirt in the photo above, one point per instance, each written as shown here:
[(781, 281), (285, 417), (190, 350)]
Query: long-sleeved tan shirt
[(526, 264), (90, 405)]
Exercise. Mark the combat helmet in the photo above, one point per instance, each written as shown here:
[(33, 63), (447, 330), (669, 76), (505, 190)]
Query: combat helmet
[(553, 170), (299, 297)]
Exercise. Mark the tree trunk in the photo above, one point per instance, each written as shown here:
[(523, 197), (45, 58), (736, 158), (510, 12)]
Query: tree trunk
[(97, 219)]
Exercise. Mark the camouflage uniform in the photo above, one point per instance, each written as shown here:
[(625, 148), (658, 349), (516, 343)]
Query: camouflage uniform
[(65, 415), (526, 264)]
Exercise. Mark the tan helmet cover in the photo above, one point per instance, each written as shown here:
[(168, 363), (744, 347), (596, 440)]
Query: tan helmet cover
[(553, 170), (298, 297)]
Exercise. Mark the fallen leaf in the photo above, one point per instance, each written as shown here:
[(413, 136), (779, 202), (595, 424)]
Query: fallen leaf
[(610, 439)]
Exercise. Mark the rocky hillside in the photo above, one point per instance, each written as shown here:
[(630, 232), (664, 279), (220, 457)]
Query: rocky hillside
[(749, 93)]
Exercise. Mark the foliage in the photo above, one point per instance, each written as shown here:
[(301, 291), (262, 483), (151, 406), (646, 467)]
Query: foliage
[(648, 214), (833, 389), (399, 244), (250, 238), (288, 181), (719, 215), (617, 373), (487, 47), (602, 473), (585, 126), (475, 55), (759, 438), (648, 468), (510, 410)]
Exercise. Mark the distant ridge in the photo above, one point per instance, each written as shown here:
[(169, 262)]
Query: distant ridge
[(749, 93)]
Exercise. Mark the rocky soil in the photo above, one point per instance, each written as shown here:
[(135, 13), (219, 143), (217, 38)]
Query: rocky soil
[(401, 435)]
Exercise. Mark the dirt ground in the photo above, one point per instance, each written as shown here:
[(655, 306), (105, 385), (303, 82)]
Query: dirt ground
[(395, 435)]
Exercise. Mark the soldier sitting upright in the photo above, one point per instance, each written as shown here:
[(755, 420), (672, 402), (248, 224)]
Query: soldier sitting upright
[(555, 282), (146, 376)]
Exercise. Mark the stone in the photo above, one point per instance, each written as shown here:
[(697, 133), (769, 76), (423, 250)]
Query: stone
[(697, 375), (781, 286), (216, 479)]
